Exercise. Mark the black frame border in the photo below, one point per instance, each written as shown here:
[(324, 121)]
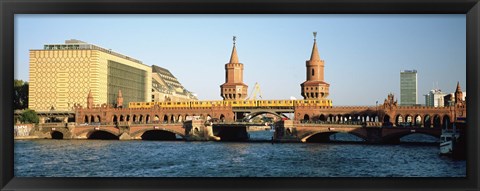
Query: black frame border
[(8, 8)]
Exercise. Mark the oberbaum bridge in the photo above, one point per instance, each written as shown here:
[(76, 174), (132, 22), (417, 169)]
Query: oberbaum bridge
[(315, 119)]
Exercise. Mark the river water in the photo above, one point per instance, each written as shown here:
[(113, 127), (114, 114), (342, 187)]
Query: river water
[(107, 158)]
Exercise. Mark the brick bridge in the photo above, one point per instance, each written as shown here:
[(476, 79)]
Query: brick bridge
[(371, 132)]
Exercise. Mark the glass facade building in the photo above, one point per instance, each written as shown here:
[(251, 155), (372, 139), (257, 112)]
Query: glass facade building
[(408, 87), (62, 75)]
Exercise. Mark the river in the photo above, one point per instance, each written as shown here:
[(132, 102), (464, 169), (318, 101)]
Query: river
[(110, 158)]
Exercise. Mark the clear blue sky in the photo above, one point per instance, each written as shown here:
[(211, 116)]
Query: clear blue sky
[(363, 54)]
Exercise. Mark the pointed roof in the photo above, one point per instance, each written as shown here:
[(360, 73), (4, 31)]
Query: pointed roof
[(458, 87), (119, 93), (234, 57), (315, 55)]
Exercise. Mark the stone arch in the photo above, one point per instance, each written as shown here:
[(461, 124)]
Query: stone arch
[(122, 118), (114, 118), (254, 114), (165, 118), (172, 118), (386, 119), (127, 118), (180, 118), (427, 121), (446, 121), (85, 119), (135, 118), (147, 119), (140, 119), (322, 118), (418, 120), (306, 118), (399, 120), (102, 134), (57, 135), (437, 122), (159, 135), (408, 120), (222, 117)]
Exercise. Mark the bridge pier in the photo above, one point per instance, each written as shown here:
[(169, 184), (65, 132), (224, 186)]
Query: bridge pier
[(196, 130), (285, 131)]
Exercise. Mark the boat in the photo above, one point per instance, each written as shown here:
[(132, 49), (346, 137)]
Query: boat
[(448, 139)]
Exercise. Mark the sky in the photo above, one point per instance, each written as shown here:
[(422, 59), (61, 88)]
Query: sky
[(363, 54)]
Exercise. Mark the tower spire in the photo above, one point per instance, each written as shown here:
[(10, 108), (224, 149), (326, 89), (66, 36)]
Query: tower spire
[(315, 56), (458, 87), (234, 57)]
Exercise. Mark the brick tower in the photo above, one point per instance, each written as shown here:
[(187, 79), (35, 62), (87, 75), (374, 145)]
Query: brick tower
[(234, 88), (315, 88), (119, 99), (90, 100)]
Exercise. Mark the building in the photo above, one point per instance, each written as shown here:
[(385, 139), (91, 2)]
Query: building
[(435, 98), (166, 87), (315, 87), (233, 88), (61, 75), (408, 87)]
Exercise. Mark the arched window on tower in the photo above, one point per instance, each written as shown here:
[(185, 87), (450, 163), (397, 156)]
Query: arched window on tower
[(313, 72)]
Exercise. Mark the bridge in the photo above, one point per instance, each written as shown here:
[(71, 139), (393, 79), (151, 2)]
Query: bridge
[(370, 132)]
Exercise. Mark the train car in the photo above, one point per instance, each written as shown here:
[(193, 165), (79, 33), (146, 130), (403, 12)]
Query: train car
[(242, 103), (318, 103), (194, 104), (275, 103), (176, 104), (140, 105)]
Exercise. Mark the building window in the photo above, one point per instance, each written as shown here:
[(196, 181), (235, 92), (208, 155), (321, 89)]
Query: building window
[(313, 72)]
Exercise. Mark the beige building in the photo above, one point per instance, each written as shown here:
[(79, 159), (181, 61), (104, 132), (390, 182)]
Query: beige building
[(166, 87), (62, 75)]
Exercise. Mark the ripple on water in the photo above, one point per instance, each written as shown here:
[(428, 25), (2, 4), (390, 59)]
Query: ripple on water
[(97, 158)]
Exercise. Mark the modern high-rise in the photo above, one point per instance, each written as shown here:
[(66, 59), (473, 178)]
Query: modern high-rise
[(408, 87), (435, 98), (62, 75)]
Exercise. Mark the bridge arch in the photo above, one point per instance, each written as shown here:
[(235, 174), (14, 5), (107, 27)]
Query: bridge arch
[(437, 121), (324, 136), (159, 135), (398, 120), (418, 120), (102, 134), (446, 121), (306, 117), (57, 135), (427, 121), (395, 137), (386, 119), (257, 113)]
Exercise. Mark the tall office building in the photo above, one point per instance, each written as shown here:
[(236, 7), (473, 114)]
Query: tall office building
[(408, 87), (62, 75), (435, 98)]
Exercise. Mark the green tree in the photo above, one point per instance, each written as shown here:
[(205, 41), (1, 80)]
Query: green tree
[(29, 116), (20, 97)]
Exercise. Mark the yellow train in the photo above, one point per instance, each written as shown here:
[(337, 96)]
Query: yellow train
[(232, 103)]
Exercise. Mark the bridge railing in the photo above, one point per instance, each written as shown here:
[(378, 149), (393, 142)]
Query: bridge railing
[(333, 122)]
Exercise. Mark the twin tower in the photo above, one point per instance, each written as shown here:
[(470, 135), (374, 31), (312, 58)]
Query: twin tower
[(314, 88)]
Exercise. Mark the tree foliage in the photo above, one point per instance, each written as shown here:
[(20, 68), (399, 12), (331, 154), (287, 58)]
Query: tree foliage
[(29, 116), (20, 94)]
